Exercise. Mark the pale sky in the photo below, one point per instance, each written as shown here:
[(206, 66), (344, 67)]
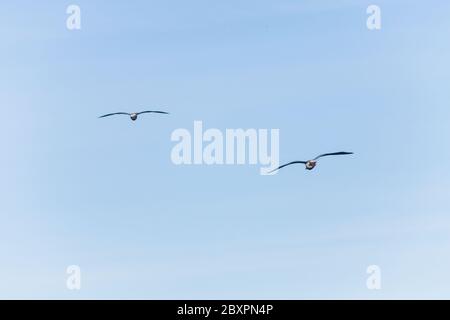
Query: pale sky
[(104, 194)]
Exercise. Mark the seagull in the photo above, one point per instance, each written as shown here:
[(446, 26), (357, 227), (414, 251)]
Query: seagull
[(133, 115), (310, 164)]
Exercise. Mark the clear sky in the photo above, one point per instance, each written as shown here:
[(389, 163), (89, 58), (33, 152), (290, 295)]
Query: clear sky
[(104, 194)]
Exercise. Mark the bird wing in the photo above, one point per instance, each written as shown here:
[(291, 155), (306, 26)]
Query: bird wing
[(288, 164), (333, 154), (112, 114), (151, 111)]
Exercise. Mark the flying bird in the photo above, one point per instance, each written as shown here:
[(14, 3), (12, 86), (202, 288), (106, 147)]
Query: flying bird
[(133, 116), (310, 164)]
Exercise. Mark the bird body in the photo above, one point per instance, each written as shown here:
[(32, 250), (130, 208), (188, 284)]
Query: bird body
[(134, 115), (311, 164)]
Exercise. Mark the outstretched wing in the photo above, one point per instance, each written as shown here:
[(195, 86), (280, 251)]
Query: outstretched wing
[(112, 114), (333, 154), (287, 164), (151, 111)]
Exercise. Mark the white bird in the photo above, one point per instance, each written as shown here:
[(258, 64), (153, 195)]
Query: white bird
[(133, 115), (310, 164)]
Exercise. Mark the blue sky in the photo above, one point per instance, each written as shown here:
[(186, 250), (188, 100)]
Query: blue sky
[(103, 193)]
